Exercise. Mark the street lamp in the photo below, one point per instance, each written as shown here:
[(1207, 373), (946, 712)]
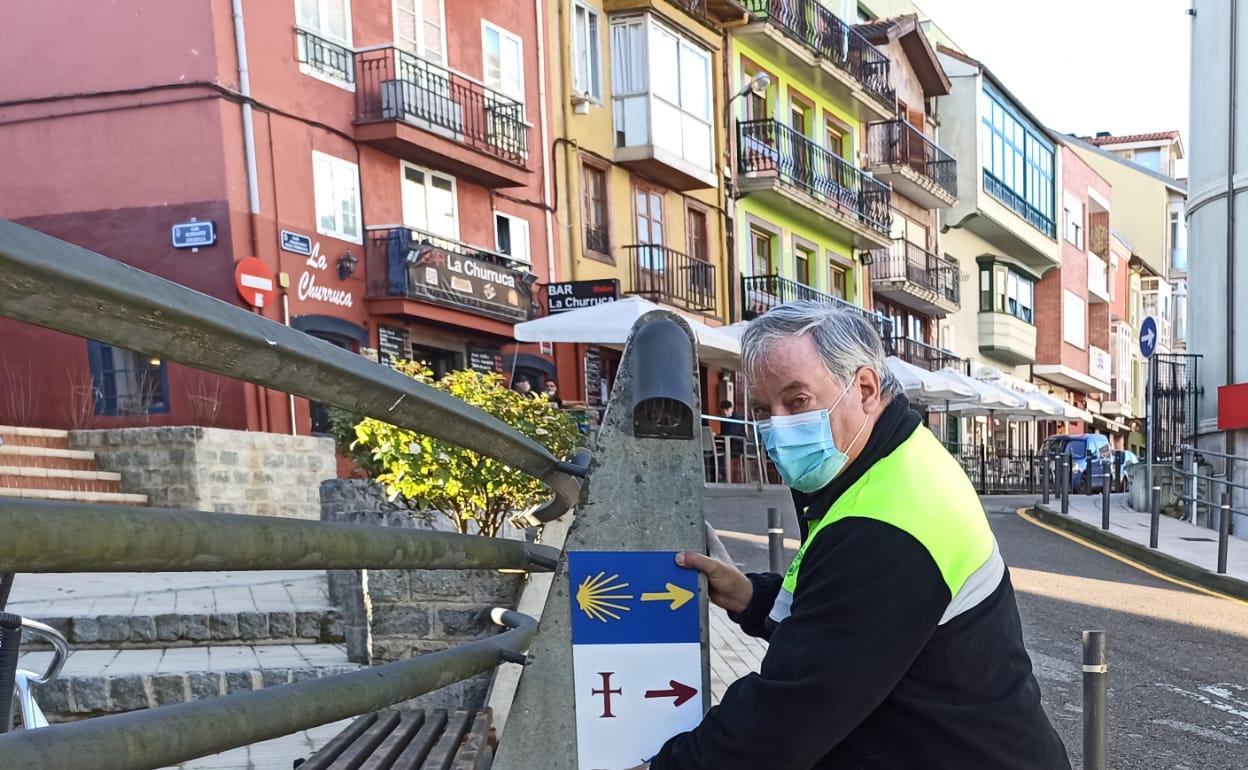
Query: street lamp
[(758, 85)]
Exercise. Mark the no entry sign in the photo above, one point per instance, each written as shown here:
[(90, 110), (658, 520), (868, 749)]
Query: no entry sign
[(255, 282), (636, 654)]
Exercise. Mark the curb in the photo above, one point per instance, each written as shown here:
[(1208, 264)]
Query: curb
[(1162, 562)]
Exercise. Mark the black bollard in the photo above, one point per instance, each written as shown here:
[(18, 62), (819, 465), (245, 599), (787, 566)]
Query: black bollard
[(1106, 488), (1154, 524), (1064, 480), (1045, 464), (1224, 531), (1095, 702), (775, 541)]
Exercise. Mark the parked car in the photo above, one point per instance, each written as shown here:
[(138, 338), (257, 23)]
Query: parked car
[(1123, 459), (1092, 459)]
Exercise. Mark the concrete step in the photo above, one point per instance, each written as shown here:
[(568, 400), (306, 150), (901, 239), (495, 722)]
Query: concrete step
[(43, 457), (97, 682), (173, 630), (34, 437), (29, 477), (117, 498)]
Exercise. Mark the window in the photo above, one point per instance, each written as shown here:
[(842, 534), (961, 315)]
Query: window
[(594, 205), (504, 62), (126, 382), (834, 137), (429, 201), (802, 257), (662, 87), (1018, 163), (760, 251), (837, 284), (649, 210), (330, 19), (797, 115), (1149, 158), (755, 104), (336, 187), (420, 27), (1003, 289), (1074, 319), (511, 237), (1178, 239), (1072, 216), (587, 59), (695, 221)]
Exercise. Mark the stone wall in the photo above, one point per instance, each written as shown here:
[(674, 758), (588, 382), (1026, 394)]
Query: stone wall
[(392, 615), (213, 469)]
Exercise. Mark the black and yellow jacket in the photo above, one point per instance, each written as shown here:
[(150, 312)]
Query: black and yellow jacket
[(895, 642)]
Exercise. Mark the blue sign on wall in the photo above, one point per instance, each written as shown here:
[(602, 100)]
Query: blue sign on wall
[(296, 243), (193, 235), (637, 597), (1148, 337)]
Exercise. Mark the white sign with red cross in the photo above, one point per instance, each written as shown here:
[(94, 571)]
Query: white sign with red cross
[(255, 281)]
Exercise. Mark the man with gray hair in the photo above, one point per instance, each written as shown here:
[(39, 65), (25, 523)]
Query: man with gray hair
[(895, 641)]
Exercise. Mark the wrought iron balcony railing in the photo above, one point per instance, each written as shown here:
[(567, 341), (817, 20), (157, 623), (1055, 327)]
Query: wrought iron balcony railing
[(396, 85), (771, 146), (820, 30), (927, 356), (324, 56), (896, 142), (905, 261), (598, 239), (668, 276), (760, 293), (999, 190)]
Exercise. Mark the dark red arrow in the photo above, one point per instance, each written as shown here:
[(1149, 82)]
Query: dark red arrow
[(681, 692)]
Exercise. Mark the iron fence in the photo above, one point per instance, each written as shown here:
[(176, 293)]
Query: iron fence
[(1176, 392), (1208, 498), (994, 471), (896, 142), (397, 85), (769, 146), (812, 25), (760, 293), (905, 261), (928, 357), (668, 276), (70, 289), (324, 56)]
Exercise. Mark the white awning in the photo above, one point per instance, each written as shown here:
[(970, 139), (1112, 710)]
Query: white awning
[(989, 398), (609, 324), (925, 387)]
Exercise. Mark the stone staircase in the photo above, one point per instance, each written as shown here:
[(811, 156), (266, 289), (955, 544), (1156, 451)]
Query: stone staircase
[(144, 640), (39, 464)]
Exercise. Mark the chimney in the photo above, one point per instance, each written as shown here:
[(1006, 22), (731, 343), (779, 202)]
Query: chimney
[(1103, 134)]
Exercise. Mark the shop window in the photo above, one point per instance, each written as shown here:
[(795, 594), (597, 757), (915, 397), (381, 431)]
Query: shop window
[(126, 382)]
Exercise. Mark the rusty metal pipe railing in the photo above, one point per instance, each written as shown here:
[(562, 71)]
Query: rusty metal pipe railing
[(42, 536), (57, 285), (169, 735)]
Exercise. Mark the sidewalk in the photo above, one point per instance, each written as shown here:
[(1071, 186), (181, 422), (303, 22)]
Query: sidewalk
[(1184, 550)]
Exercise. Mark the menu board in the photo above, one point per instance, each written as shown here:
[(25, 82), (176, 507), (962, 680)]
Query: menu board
[(392, 344), (593, 378), (485, 359)]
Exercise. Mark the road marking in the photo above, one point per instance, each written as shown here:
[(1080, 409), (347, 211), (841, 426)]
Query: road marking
[(1022, 514), (1203, 732)]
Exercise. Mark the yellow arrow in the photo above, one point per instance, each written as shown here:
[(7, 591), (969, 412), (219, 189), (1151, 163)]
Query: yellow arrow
[(675, 594)]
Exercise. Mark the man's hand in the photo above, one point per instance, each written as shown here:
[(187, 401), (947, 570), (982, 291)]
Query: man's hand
[(730, 588)]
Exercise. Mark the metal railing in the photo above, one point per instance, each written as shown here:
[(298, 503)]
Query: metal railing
[(896, 142), (396, 85), (760, 293), (905, 261), (1209, 496), (70, 289), (668, 276), (830, 39), (928, 357), (394, 261), (993, 471), (999, 190), (598, 239), (324, 56), (769, 146)]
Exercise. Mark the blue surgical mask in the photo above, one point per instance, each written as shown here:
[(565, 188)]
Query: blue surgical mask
[(803, 449)]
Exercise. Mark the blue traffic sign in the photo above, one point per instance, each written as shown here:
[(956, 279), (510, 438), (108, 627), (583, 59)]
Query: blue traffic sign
[(294, 242), (193, 235), (1148, 337), (632, 597)]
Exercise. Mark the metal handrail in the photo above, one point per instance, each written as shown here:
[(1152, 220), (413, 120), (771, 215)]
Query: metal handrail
[(58, 285), (670, 276), (170, 735), (897, 142), (60, 649)]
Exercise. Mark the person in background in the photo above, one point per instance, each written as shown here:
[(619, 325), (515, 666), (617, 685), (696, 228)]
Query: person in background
[(732, 433), (551, 389), (523, 387)]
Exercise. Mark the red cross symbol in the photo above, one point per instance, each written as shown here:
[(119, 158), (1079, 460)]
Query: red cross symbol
[(606, 692)]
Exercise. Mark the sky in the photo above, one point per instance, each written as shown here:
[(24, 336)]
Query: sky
[(1082, 66)]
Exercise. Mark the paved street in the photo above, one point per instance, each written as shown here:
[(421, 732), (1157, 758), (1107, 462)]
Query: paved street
[(1178, 659)]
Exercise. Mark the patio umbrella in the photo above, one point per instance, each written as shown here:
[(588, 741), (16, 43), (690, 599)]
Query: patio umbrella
[(925, 387)]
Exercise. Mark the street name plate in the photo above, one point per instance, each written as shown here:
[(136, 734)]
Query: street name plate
[(636, 654)]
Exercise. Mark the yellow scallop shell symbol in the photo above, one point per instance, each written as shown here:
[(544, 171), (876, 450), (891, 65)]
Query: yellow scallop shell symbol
[(599, 597)]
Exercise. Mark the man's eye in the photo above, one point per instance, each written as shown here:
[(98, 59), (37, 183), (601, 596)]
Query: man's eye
[(798, 402)]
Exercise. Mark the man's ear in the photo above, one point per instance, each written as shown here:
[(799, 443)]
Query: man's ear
[(868, 382)]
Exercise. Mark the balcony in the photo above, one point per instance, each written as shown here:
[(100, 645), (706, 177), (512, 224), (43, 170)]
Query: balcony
[(916, 167), (403, 263), (777, 162), (665, 275), (713, 13), (928, 357), (324, 58), (804, 36), (1015, 202), (422, 112), (916, 278), (760, 293), (1098, 279), (1007, 338)]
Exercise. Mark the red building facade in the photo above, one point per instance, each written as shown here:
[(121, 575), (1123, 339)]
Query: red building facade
[(384, 161)]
